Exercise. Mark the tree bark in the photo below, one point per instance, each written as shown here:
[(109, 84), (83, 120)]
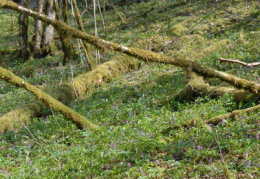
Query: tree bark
[(212, 121), (52, 103), (196, 87), (217, 119), (23, 32), (84, 43), (49, 29), (65, 38), (66, 91), (65, 11), (37, 30), (253, 64)]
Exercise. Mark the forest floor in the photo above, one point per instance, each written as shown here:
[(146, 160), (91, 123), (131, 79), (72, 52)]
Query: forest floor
[(135, 109)]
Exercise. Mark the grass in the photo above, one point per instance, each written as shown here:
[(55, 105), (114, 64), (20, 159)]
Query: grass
[(135, 109)]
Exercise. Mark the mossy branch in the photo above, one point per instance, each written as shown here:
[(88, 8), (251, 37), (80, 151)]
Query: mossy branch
[(217, 119), (144, 55), (52, 103), (196, 87), (212, 121), (66, 91)]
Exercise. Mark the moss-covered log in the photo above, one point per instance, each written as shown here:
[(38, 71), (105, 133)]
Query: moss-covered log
[(52, 103), (212, 121), (138, 53), (66, 91), (217, 119), (196, 87)]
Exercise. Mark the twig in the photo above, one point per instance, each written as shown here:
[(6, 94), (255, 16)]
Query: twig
[(240, 62)]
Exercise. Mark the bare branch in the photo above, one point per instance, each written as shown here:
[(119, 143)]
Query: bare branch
[(239, 62)]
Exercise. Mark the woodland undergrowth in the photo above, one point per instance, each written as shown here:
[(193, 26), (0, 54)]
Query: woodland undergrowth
[(135, 110)]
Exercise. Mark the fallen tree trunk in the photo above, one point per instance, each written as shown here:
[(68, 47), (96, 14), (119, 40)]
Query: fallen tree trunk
[(212, 121), (196, 87), (66, 91), (217, 119), (144, 55), (52, 103), (253, 64)]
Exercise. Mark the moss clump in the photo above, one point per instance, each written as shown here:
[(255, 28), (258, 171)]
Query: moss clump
[(242, 38), (177, 30), (28, 71), (216, 46)]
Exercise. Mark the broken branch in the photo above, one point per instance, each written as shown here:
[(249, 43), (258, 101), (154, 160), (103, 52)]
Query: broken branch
[(68, 113), (239, 62)]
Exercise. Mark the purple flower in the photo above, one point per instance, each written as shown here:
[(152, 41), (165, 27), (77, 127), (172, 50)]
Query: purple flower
[(199, 148), (113, 145), (246, 154), (210, 160), (129, 164), (157, 162), (257, 136), (141, 170), (4, 171)]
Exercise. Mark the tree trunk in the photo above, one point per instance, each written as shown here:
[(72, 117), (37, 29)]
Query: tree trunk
[(52, 103), (217, 119), (23, 32), (49, 29), (65, 38), (65, 11), (196, 87), (87, 53), (66, 91), (38, 31)]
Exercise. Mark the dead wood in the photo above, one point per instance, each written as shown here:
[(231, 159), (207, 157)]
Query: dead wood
[(196, 87), (52, 103), (144, 55), (212, 121), (66, 91), (239, 62), (217, 119)]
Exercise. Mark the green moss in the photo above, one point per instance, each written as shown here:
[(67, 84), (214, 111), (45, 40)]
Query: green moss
[(177, 30), (28, 71), (242, 38)]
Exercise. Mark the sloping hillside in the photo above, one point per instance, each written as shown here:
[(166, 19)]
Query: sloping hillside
[(138, 112)]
